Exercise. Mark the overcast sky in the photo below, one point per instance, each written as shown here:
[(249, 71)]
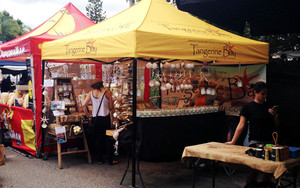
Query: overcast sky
[(34, 12)]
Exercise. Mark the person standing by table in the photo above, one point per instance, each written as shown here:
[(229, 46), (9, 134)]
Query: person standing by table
[(102, 105), (262, 122)]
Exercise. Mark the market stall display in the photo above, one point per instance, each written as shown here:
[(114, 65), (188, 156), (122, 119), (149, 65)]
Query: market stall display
[(26, 50), (162, 35)]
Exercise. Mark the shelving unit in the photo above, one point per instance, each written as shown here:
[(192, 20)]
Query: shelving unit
[(63, 91)]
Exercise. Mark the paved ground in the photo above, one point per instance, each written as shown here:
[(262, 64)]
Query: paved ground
[(22, 172)]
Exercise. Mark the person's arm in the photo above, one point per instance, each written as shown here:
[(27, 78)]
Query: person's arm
[(109, 96), (273, 111), (238, 131), (86, 102)]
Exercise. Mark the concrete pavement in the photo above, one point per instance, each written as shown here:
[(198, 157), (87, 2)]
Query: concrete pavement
[(20, 171)]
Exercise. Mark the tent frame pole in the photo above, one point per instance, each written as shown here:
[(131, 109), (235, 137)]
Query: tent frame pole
[(34, 100), (134, 122)]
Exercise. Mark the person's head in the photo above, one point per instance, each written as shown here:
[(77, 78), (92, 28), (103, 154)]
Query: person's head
[(97, 84), (260, 90)]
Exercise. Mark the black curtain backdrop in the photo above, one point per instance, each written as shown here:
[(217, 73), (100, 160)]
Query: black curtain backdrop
[(283, 78)]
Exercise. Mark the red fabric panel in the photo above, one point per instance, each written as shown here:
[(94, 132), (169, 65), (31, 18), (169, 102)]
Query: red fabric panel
[(98, 71), (147, 87)]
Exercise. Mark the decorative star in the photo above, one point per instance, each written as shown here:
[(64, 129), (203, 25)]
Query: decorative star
[(44, 119), (245, 80)]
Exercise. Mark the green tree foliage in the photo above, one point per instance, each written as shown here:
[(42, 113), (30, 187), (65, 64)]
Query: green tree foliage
[(10, 28), (284, 42), (95, 11)]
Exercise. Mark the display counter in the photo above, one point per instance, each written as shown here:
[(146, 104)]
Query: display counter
[(164, 138)]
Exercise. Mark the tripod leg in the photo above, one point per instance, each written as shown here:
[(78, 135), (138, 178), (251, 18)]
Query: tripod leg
[(127, 168), (138, 171)]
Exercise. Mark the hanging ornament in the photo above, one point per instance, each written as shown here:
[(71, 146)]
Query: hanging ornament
[(151, 83), (192, 65), (116, 135), (163, 87), (173, 66), (208, 91), (168, 86), (157, 83), (44, 121), (177, 66), (213, 91), (203, 92), (149, 65), (44, 125), (186, 86), (154, 66), (44, 110), (115, 114), (240, 84), (181, 86), (187, 66), (167, 65), (116, 148)]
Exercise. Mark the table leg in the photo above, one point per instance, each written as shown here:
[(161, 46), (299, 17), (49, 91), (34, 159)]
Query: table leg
[(295, 177), (213, 173), (194, 173), (59, 155)]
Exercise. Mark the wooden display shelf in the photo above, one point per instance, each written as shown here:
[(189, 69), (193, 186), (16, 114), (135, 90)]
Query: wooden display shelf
[(68, 120), (81, 135)]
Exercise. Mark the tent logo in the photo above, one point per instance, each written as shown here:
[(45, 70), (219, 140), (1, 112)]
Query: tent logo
[(228, 51), (206, 53), (13, 52), (89, 49)]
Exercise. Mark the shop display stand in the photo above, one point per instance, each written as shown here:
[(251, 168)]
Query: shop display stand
[(70, 137), (63, 89)]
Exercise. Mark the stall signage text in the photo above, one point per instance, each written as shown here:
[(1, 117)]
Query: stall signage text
[(13, 52), (89, 49), (226, 52)]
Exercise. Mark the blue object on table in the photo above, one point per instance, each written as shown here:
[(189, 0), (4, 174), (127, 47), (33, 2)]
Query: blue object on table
[(294, 152)]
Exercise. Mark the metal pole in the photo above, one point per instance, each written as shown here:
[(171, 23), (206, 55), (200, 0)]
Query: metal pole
[(134, 82), (33, 99), (43, 98), (159, 90)]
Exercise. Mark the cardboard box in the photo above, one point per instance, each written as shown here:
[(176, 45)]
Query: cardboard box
[(22, 87)]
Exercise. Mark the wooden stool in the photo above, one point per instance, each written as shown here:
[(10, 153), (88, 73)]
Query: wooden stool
[(68, 120)]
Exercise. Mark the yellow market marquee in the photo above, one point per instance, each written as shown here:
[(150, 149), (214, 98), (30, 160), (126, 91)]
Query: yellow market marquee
[(156, 29)]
